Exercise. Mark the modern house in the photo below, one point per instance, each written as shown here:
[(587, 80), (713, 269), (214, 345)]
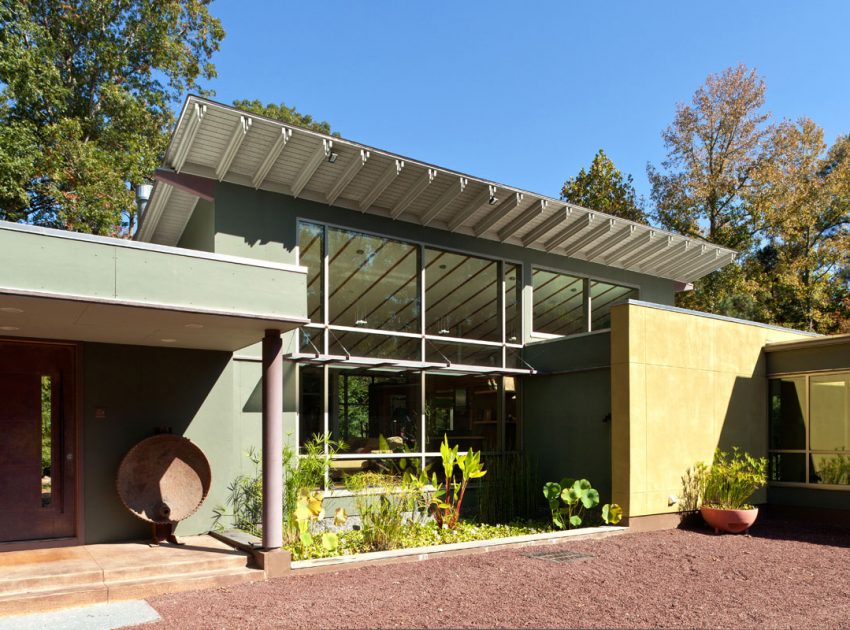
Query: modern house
[(285, 283)]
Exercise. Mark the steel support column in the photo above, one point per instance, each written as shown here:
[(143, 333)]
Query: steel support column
[(272, 440)]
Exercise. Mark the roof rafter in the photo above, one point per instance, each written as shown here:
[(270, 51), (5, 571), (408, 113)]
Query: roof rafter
[(590, 237), (413, 192), (271, 157), (453, 192), (547, 225), (392, 171), (320, 154), (536, 208), (578, 226), (615, 239), (652, 251), (622, 252), (486, 196), (502, 211), (188, 138), (350, 172), (240, 130)]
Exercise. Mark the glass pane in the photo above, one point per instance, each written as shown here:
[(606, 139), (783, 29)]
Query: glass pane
[(463, 354), (461, 296), (829, 424), (311, 340), (602, 297), (513, 303), (46, 440), (465, 408), (310, 255), (787, 417), (310, 421), (375, 346), (558, 303), (375, 412), (373, 282), (830, 469), (788, 467), (391, 468)]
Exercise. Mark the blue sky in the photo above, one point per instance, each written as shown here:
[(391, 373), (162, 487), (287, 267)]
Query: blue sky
[(525, 93)]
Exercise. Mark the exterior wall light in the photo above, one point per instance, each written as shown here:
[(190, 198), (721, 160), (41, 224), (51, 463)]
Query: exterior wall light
[(332, 156), (493, 200)]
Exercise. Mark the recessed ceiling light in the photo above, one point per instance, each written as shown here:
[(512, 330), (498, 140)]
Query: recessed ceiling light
[(9, 328), (167, 340), (11, 309), (193, 326), (360, 251)]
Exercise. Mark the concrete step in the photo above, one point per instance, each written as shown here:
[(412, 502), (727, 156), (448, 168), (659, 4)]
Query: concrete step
[(58, 598)]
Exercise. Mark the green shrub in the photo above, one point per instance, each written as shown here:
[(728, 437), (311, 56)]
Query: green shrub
[(447, 500), (571, 501), (385, 503), (732, 480)]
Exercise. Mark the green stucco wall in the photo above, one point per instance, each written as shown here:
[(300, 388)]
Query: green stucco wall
[(202, 395), (566, 413)]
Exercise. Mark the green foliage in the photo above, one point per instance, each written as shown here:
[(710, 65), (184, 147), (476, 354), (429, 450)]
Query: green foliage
[(309, 510), (604, 188), (447, 501), (509, 493), (283, 113), (572, 501), (46, 423), (834, 470), (415, 535), (385, 504), (86, 90), (245, 499), (732, 479), (693, 482)]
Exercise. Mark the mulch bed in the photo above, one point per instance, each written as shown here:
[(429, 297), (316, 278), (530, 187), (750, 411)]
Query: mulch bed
[(786, 575)]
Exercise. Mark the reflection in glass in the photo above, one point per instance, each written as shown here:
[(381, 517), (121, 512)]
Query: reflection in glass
[(831, 469), (602, 297), (374, 346), (513, 303), (46, 441), (828, 421), (788, 467), (558, 303), (512, 413), (463, 354), (374, 411), (461, 296), (372, 282), (310, 419), (464, 408), (391, 467), (311, 255), (787, 417)]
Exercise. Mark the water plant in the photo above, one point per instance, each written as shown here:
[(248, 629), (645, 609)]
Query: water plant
[(571, 500), (448, 498)]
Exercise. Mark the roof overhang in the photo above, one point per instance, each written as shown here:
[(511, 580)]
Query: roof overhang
[(220, 143), (65, 286), (369, 363)]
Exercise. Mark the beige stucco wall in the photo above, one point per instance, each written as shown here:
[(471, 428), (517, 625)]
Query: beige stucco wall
[(682, 384)]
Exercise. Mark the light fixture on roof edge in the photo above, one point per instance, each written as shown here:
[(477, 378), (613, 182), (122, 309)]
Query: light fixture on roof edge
[(332, 156), (493, 199)]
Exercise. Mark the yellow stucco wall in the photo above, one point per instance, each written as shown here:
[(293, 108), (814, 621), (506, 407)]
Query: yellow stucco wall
[(682, 384)]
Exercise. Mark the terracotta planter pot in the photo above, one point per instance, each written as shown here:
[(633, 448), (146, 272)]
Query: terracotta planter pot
[(731, 521)]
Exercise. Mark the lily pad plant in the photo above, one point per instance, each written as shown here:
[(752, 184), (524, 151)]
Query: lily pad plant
[(571, 500)]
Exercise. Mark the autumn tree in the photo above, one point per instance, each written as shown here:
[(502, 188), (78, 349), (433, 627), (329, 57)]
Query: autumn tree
[(86, 95), (283, 113), (714, 146), (602, 187)]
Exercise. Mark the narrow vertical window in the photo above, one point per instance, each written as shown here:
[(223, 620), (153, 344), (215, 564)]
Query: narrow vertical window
[(46, 441), (513, 304)]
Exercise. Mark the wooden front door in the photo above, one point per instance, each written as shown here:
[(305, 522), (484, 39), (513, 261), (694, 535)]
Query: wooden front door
[(37, 441)]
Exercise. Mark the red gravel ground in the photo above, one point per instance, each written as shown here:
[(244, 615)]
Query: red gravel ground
[(787, 575)]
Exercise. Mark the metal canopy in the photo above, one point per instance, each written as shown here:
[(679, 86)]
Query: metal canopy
[(221, 143), (311, 358)]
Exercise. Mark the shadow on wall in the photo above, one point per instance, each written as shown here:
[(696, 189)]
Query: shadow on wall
[(139, 389)]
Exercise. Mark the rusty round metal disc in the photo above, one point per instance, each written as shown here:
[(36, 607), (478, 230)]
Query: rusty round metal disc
[(164, 479)]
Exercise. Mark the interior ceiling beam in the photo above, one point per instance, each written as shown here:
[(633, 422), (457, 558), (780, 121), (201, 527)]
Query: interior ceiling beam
[(232, 148), (621, 236), (355, 166), (546, 226), (486, 196), (649, 252), (320, 154), (413, 192), (502, 211), (606, 227), (271, 157), (578, 226), (392, 171), (537, 207), (453, 192), (647, 239), (194, 124)]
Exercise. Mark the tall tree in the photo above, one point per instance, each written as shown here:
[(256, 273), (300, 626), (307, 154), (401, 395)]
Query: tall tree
[(86, 89), (800, 273), (602, 187), (283, 113), (714, 145)]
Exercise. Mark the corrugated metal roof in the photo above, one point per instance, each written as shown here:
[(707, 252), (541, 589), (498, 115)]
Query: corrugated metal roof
[(219, 142)]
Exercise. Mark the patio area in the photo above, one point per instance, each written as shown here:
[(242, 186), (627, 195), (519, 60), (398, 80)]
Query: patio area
[(55, 578), (788, 574)]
